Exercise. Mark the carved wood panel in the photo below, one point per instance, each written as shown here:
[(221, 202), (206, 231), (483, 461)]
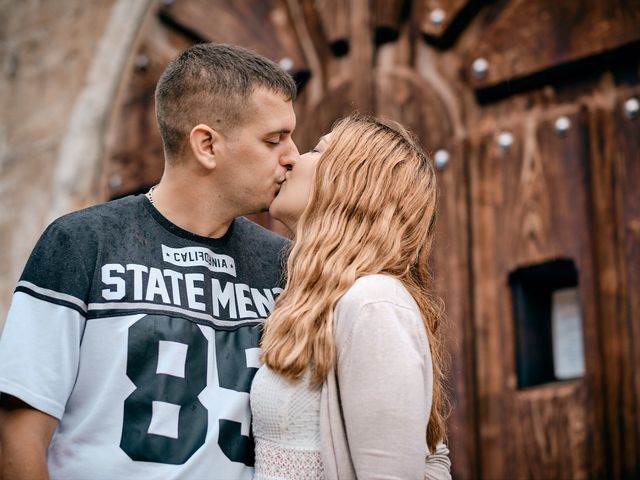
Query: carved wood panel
[(528, 198)]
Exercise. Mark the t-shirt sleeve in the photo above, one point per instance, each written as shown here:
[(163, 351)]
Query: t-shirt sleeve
[(40, 345)]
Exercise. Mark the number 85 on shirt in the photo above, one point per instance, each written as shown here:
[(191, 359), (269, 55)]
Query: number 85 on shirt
[(167, 361)]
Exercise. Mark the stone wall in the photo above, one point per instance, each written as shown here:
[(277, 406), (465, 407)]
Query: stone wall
[(61, 64)]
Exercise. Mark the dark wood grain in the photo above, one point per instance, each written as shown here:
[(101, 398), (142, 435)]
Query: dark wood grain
[(450, 8), (386, 17), (527, 201), (317, 119), (524, 37), (335, 18), (361, 56), (556, 432), (615, 165), (135, 157), (262, 25), (451, 274)]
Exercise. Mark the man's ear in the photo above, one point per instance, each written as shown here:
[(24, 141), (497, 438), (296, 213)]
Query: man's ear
[(205, 145)]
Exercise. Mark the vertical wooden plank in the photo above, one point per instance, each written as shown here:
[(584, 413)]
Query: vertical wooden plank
[(385, 18), (629, 154), (451, 268), (551, 433), (615, 181), (486, 187), (361, 56), (335, 18)]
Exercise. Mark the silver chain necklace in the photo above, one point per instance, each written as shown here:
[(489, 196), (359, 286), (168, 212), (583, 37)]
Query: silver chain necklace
[(149, 194)]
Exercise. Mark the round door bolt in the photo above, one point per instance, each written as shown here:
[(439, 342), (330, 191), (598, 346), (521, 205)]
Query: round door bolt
[(437, 16), (142, 62), (632, 107), (505, 140), (480, 68), (286, 63), (115, 181), (441, 159), (562, 125)]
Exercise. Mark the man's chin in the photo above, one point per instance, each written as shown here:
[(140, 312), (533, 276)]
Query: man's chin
[(257, 210)]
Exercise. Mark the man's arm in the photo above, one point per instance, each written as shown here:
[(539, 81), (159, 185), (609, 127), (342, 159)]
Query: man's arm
[(25, 434)]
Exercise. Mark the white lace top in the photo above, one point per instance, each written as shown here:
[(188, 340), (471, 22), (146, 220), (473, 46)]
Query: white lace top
[(286, 427)]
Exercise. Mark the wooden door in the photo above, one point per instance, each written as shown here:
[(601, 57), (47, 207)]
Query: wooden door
[(527, 107)]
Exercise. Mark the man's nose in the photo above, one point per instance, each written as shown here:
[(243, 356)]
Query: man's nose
[(291, 156)]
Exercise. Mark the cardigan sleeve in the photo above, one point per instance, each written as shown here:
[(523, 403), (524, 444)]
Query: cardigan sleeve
[(438, 464), (385, 384)]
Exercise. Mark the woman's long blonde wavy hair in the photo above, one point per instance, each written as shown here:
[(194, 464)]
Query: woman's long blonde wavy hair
[(371, 210)]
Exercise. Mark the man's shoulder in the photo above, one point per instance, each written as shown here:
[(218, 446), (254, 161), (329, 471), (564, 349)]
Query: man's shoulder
[(251, 232), (98, 216)]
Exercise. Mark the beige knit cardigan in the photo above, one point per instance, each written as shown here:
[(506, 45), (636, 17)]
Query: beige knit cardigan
[(376, 403)]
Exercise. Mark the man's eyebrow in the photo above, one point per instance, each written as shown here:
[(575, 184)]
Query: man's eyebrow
[(279, 132)]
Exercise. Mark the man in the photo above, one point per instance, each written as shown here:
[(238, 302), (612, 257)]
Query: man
[(132, 338)]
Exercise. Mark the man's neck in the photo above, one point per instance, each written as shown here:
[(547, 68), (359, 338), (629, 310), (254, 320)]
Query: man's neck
[(192, 208)]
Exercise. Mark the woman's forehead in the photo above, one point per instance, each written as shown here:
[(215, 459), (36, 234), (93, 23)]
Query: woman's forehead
[(325, 138)]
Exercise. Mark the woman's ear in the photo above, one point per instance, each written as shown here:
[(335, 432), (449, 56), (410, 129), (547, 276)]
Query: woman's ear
[(205, 145)]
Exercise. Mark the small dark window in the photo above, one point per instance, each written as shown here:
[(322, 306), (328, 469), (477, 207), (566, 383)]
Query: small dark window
[(549, 343)]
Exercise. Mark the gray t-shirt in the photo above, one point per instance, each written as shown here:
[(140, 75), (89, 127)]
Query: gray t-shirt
[(142, 338)]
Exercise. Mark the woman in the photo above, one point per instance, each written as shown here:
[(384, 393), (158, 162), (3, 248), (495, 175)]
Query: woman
[(352, 385)]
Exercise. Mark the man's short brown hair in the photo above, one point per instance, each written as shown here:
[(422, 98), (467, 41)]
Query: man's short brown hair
[(211, 83)]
